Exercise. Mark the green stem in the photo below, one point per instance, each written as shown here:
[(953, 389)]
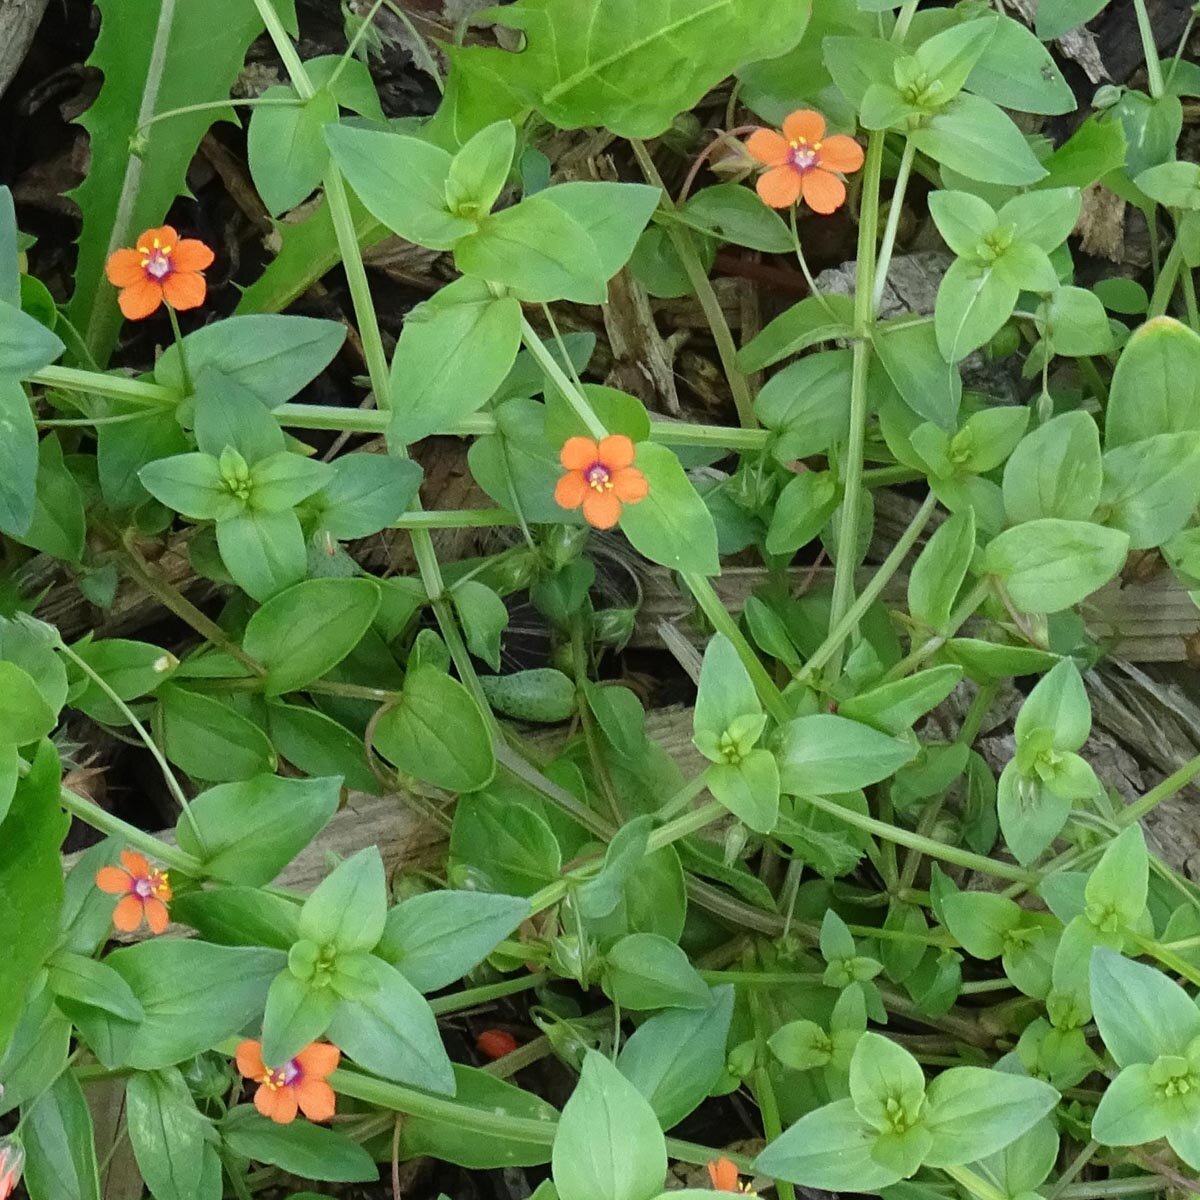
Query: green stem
[(888, 246), (188, 386), (979, 1187), (98, 818), (1167, 279), (682, 798), (904, 20), (462, 518), (764, 1090), (864, 314), (974, 598), (681, 240), (685, 825), (934, 849), (890, 565), (430, 63), (221, 105), (116, 387), (1161, 791), (472, 997), (809, 278), (1154, 75)]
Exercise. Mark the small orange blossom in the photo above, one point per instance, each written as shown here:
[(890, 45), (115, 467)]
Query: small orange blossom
[(724, 1176), (600, 477), (161, 267), (803, 161), (144, 891), (298, 1084)]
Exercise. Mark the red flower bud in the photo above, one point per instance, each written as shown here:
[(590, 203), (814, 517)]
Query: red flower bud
[(491, 1043)]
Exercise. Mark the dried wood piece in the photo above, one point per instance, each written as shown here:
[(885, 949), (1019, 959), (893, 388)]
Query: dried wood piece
[(19, 20)]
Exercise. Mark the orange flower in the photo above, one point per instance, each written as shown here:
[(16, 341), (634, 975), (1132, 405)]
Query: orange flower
[(496, 1043), (724, 1176), (298, 1084), (143, 889), (12, 1159), (803, 161), (601, 477), (162, 267)]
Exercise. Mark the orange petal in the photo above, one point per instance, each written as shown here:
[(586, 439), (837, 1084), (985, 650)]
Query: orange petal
[(127, 916), (724, 1175), (578, 453), (769, 147), (113, 880), (616, 451), (823, 193), (157, 916), (136, 864), (165, 233), (630, 486), (779, 187), (249, 1059), (318, 1059), (601, 509), (804, 125), (140, 299), (184, 289), (316, 1099), (279, 1104), (124, 268), (570, 490), (841, 153), (191, 254)]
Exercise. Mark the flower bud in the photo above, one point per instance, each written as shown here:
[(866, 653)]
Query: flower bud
[(12, 1159)]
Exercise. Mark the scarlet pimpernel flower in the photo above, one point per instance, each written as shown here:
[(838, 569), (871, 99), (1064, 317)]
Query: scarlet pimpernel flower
[(600, 478), (724, 1176), (299, 1085), (804, 162), (162, 266), (144, 892)]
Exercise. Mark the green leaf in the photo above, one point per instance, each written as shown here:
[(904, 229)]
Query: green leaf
[(160, 59), (167, 1134), (940, 569), (1059, 702), (1093, 151), (973, 1112), (613, 215), (973, 304), (749, 789), (1051, 564), (1045, 218), (1172, 184), (484, 617), (608, 1145), (1151, 487), (1132, 1110), (10, 248), (31, 883), (87, 981), (300, 1148), (191, 484), (26, 345), (479, 171), (391, 1031), (895, 707), (804, 324), (829, 1148), (436, 732), (981, 921), (1031, 814), (1056, 17), (1055, 471), (954, 135), (883, 1075), (672, 525), (60, 1146), (644, 971), (249, 831), (303, 632), (1074, 323), (368, 492), (263, 551), (435, 938), (402, 181), (802, 510), (676, 1057), (807, 404), (823, 753), (297, 1013), (1153, 387), (59, 526), (1119, 883), (18, 458), (349, 907), (454, 352), (508, 847), (687, 48), (599, 895), (538, 251), (731, 213), (1140, 1012), (926, 383), (285, 146), (208, 739), (950, 56), (194, 995), (726, 691), (24, 714), (239, 916), (1016, 71)]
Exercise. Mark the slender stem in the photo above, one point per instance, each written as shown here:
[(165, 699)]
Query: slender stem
[(764, 1091), (869, 594), (570, 392), (168, 775), (98, 818), (188, 386), (430, 63), (904, 20), (864, 314), (685, 826), (1183, 41), (116, 387), (979, 1187), (809, 278), (683, 798), (462, 518), (888, 246), (364, 27), (1154, 75), (214, 105), (1168, 277), (973, 599), (1161, 791), (681, 240), (472, 997), (934, 849), (1076, 1165)]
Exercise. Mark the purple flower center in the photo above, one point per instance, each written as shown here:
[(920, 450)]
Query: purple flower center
[(143, 887), (285, 1076), (803, 157), (158, 264), (598, 477)]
